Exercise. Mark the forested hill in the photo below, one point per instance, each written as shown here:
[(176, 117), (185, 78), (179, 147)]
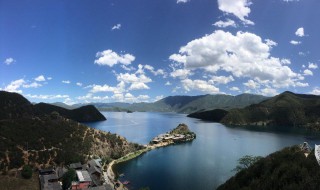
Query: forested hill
[(28, 137), (14, 105), (286, 109), (285, 169)]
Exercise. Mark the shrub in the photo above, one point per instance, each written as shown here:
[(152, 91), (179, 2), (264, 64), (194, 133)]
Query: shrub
[(26, 172)]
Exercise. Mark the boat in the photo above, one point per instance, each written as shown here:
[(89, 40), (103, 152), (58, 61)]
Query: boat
[(317, 153)]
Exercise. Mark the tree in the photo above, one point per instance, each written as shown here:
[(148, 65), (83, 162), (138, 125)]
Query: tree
[(26, 172), (67, 178), (246, 161)]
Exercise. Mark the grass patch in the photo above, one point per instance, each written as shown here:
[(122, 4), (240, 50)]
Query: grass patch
[(18, 183)]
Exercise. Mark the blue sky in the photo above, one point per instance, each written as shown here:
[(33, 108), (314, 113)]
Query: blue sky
[(80, 51)]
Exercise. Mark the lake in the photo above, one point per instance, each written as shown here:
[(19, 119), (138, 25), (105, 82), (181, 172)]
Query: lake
[(203, 164)]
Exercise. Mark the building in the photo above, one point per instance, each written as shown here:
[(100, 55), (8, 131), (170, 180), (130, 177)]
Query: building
[(84, 180), (49, 182)]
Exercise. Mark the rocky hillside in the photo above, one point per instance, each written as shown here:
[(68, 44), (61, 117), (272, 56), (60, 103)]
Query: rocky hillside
[(285, 169), (47, 139)]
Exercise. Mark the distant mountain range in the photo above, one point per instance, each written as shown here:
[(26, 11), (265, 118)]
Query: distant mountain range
[(183, 104), (286, 109)]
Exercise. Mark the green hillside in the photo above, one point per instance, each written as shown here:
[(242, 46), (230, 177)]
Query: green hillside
[(28, 137), (286, 109), (285, 169)]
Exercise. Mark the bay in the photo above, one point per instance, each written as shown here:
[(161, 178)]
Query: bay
[(202, 164)]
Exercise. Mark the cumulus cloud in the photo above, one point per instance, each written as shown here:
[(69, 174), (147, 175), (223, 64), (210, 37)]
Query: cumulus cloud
[(294, 42), (300, 32), (221, 79), (66, 81), (9, 61), (111, 58), (286, 61), (79, 84), (183, 1), (308, 72), (138, 86), (153, 71), (269, 92), (239, 8), (180, 73), (116, 27), (32, 85), (315, 91), (244, 55), (15, 86), (101, 88), (252, 84), (234, 88), (199, 85), (224, 24), (40, 78), (168, 83), (312, 66)]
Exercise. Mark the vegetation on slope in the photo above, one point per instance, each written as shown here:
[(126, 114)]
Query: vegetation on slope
[(285, 169), (27, 138), (211, 115), (286, 109)]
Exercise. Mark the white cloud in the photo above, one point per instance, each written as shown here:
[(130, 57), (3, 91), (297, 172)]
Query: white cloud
[(158, 98), (286, 61), (116, 27), (32, 85), (234, 88), (270, 43), (291, 1), (224, 24), (47, 97), (239, 8), (293, 42), (15, 85), (312, 66), (40, 78), (182, 1), (168, 83), (110, 58), (221, 79), (49, 78), (315, 91), (180, 73), (308, 72), (300, 32), (9, 61), (132, 78), (66, 81), (155, 72), (138, 86), (102, 88), (199, 85), (300, 84), (252, 84), (244, 55), (269, 92), (79, 84)]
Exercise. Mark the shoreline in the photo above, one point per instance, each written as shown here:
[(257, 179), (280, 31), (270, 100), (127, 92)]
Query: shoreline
[(110, 176)]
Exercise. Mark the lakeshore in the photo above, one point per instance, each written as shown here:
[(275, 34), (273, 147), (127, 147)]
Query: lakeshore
[(178, 135)]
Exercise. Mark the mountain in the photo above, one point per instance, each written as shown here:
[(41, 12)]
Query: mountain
[(86, 113), (285, 169), (286, 109), (185, 104), (46, 139), (215, 115)]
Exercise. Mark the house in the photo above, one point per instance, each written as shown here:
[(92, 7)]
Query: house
[(76, 166), (60, 171), (95, 171), (84, 180), (49, 182), (47, 171)]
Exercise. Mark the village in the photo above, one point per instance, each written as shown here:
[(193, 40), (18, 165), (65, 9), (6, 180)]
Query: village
[(92, 176)]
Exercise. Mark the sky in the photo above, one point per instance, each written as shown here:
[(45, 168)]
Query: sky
[(80, 51)]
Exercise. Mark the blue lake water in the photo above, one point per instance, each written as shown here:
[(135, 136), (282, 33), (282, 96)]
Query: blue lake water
[(202, 164)]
